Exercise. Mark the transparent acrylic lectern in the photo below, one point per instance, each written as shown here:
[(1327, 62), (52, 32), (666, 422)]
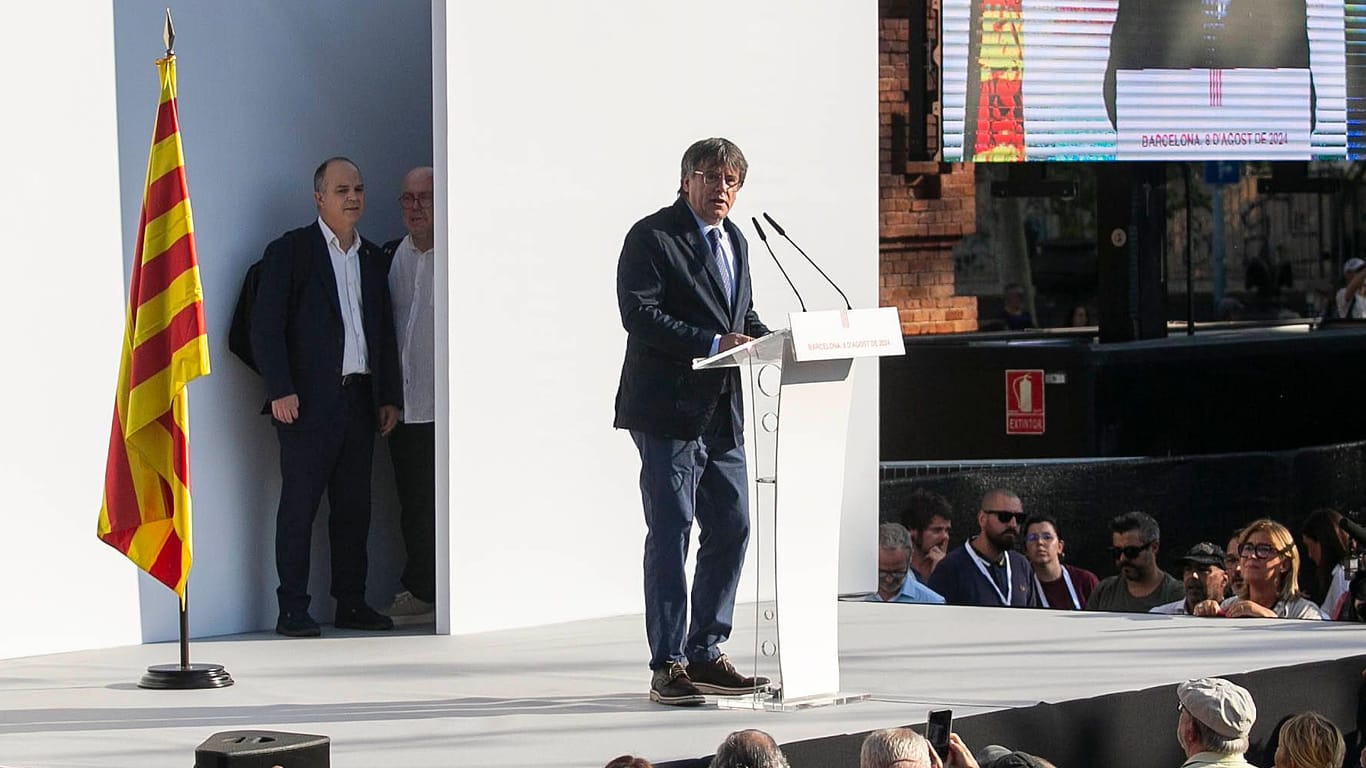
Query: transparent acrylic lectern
[(798, 401)]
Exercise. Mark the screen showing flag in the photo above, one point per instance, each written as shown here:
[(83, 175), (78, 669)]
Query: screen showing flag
[(1032, 80)]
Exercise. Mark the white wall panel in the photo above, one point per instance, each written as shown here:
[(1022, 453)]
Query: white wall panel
[(63, 588), (566, 123)]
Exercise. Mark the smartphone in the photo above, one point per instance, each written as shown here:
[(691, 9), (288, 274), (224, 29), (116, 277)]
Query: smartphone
[(937, 730)]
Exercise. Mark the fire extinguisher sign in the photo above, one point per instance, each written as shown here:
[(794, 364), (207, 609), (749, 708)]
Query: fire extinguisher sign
[(1024, 402)]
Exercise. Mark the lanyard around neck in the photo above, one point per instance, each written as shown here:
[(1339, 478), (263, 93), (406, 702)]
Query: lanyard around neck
[(982, 566), (1071, 591)]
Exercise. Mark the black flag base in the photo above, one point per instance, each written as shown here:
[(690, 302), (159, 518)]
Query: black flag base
[(185, 677)]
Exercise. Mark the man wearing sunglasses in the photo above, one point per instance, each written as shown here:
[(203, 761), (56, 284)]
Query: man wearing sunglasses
[(987, 570), (1140, 585)]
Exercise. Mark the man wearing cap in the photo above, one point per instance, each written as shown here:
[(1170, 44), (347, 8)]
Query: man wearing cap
[(1204, 578), (1215, 719), (1351, 300)]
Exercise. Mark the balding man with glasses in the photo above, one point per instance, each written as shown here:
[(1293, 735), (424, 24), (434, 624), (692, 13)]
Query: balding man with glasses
[(1140, 585), (323, 335), (412, 443), (987, 570)]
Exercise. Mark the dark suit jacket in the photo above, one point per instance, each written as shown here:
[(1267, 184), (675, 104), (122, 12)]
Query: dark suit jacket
[(672, 305), (1170, 34), (297, 333)]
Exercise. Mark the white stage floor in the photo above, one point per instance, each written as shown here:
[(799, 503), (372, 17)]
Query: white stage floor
[(575, 694)]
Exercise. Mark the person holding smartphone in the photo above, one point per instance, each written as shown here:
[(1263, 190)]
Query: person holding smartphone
[(904, 748)]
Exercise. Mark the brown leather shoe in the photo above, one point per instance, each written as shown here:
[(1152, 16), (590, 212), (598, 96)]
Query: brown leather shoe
[(719, 678), (670, 685)]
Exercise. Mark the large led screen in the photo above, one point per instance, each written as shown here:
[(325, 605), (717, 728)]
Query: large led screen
[(1027, 80)]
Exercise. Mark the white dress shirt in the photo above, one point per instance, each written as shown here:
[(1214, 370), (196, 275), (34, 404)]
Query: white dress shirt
[(410, 288), (346, 268)]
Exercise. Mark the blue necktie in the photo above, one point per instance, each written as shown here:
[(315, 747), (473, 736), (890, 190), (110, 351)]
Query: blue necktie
[(718, 253)]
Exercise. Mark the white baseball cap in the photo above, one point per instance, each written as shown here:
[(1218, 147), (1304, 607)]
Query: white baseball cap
[(1352, 265)]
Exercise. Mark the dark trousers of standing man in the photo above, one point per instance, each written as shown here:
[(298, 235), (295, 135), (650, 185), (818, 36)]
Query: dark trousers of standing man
[(412, 448), (335, 458), (683, 480)]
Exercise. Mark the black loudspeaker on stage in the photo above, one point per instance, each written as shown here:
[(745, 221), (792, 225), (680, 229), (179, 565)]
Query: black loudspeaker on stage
[(263, 749)]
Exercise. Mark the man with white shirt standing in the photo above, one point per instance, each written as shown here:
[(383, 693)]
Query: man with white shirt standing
[(323, 337), (412, 444)]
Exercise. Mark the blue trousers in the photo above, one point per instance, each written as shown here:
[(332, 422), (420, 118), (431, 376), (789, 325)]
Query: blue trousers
[(683, 480)]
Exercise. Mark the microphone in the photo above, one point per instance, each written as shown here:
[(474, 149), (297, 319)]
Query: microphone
[(1353, 529), (764, 237), (780, 231)]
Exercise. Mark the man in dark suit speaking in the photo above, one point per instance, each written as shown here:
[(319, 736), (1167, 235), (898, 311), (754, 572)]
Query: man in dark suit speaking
[(323, 335), (683, 288)]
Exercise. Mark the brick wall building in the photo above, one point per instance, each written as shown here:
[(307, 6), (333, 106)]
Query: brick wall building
[(924, 207)]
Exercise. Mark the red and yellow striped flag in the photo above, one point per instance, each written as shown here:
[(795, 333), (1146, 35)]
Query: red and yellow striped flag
[(146, 509)]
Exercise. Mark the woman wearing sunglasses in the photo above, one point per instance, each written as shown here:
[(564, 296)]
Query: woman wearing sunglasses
[(1269, 564)]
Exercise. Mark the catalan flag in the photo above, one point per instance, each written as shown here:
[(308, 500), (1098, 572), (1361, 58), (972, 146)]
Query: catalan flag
[(146, 509), (1000, 107)]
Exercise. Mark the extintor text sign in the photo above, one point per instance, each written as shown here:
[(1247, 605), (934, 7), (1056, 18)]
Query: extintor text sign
[(1024, 402)]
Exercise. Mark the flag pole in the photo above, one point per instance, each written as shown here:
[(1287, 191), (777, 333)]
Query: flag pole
[(184, 675), (185, 632), (168, 38)]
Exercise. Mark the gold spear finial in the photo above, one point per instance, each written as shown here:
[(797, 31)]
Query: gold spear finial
[(168, 34)]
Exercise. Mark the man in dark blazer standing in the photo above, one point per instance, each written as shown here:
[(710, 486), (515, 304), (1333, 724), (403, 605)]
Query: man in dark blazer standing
[(323, 336), (683, 288)]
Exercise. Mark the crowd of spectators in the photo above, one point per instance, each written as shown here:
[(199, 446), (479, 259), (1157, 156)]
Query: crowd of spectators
[(1018, 558), (1214, 722), (1014, 558)]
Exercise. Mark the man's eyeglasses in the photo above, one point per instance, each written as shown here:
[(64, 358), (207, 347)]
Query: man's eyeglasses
[(1261, 551), (1006, 515), (1129, 553), (901, 574), (712, 178), (407, 199), (1043, 536)]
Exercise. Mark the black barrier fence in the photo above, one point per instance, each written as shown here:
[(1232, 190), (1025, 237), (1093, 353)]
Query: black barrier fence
[(1193, 498)]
